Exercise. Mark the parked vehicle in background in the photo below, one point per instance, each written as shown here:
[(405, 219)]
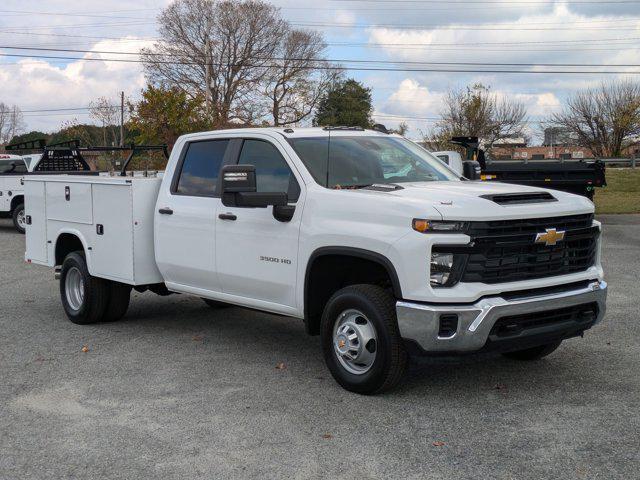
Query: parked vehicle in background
[(12, 168), (574, 176), (381, 249)]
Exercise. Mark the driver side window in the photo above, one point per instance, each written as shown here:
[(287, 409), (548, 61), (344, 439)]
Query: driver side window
[(272, 172)]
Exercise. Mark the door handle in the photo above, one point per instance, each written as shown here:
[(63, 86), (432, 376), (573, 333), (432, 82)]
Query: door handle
[(227, 216), (165, 211)]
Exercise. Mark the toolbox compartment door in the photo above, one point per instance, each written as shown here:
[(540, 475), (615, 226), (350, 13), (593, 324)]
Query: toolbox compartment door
[(112, 255), (69, 202), (36, 229)]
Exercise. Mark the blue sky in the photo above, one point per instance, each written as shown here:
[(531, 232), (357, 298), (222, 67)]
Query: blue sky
[(404, 31)]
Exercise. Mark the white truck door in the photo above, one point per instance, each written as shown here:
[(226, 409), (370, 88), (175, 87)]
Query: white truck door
[(256, 255), (185, 217)]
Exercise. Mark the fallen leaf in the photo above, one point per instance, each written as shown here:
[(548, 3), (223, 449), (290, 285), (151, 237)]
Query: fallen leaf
[(327, 436), (85, 349), (281, 366), (198, 338), (500, 386), (438, 444)]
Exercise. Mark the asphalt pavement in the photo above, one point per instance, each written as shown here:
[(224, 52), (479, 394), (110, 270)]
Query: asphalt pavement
[(178, 390)]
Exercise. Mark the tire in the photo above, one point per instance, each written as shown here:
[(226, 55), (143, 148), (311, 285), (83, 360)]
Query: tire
[(215, 304), (534, 353), (90, 305), (18, 218), (368, 312), (118, 304)]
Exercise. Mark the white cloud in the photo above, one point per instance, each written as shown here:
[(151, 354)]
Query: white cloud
[(36, 84)]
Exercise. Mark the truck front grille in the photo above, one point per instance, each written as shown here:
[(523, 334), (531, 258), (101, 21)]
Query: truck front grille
[(505, 251)]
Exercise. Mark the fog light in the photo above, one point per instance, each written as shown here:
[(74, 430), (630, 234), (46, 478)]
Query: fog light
[(441, 268)]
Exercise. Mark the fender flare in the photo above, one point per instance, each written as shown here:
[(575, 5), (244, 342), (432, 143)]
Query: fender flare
[(351, 252)]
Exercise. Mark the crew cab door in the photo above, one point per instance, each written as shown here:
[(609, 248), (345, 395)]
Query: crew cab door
[(256, 254), (185, 217)]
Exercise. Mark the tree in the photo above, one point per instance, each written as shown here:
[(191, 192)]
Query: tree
[(605, 120), (295, 83), (477, 112), (402, 129), (29, 137), (11, 122), (163, 114), (346, 103), (107, 113), (216, 51)]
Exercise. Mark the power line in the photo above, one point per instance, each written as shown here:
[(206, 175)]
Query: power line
[(334, 60), (337, 68)]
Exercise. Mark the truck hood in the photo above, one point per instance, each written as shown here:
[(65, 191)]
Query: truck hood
[(467, 200)]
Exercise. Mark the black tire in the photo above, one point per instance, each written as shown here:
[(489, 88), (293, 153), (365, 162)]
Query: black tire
[(19, 210), (215, 304), (534, 353), (118, 304), (96, 291), (378, 306)]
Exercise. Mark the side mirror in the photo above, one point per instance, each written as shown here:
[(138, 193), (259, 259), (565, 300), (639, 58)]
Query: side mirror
[(239, 189), (471, 169)]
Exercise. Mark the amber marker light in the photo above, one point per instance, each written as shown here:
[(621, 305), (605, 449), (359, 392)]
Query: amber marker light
[(420, 225)]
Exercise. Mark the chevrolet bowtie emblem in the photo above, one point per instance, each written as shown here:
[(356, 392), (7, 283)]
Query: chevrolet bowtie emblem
[(550, 237)]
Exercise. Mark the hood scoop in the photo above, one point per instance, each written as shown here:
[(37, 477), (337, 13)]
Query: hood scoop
[(520, 198)]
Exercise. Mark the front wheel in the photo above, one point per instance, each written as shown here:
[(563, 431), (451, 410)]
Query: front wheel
[(84, 297), (19, 218), (535, 353), (360, 339)]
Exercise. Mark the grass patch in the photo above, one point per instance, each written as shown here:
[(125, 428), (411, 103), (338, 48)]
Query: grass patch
[(622, 193)]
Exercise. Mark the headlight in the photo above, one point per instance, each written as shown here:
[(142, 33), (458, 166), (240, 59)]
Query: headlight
[(438, 226), (446, 268)]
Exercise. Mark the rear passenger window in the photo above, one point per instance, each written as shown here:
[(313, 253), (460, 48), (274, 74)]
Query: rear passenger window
[(272, 172), (200, 168)]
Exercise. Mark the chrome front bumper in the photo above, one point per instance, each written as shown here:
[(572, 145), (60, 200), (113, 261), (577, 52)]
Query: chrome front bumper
[(421, 322)]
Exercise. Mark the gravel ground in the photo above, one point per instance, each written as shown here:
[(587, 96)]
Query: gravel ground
[(177, 390)]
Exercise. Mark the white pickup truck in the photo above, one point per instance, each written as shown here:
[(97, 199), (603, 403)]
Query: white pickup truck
[(11, 190), (377, 245)]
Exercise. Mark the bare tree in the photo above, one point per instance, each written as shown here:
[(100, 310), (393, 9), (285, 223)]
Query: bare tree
[(11, 122), (605, 119), (478, 112), (295, 83), (108, 114), (217, 49)]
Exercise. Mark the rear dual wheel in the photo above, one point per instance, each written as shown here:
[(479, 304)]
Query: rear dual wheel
[(87, 299)]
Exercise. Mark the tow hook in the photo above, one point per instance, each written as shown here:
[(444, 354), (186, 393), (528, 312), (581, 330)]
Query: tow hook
[(57, 272)]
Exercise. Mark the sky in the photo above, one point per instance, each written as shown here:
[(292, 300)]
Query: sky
[(370, 37)]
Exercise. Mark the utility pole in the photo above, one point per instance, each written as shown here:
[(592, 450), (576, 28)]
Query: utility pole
[(122, 119)]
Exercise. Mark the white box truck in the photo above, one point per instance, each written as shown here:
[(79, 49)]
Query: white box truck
[(380, 248)]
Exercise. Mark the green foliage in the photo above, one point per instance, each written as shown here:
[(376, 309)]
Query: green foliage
[(88, 135), (29, 137), (163, 114), (347, 103)]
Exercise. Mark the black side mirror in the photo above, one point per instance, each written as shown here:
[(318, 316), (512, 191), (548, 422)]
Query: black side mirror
[(471, 169), (239, 189)]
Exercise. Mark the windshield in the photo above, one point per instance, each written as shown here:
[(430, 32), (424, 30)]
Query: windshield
[(344, 162)]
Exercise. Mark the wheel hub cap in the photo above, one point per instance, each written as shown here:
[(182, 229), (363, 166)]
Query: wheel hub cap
[(21, 219), (355, 342), (74, 288)]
